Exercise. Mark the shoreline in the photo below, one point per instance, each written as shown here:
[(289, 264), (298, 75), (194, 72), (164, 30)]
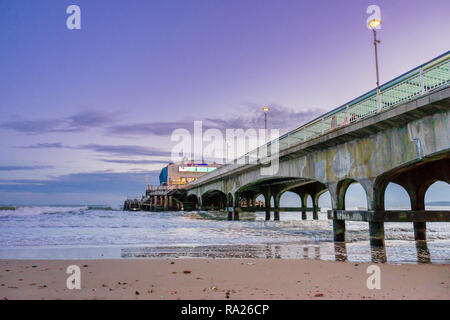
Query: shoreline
[(223, 278), (397, 253)]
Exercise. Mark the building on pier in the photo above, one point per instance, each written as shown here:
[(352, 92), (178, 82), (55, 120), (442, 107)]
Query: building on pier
[(166, 195), (182, 173)]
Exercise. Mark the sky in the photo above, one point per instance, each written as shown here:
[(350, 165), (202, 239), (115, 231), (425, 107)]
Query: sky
[(87, 114)]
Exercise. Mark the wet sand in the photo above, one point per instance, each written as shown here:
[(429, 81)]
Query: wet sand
[(219, 279)]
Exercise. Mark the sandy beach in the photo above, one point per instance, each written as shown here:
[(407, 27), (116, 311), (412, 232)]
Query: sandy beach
[(219, 279)]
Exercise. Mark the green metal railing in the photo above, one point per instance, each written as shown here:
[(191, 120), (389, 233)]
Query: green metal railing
[(419, 81)]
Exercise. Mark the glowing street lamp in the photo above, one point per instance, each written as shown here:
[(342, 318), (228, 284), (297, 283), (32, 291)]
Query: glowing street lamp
[(265, 109), (374, 23)]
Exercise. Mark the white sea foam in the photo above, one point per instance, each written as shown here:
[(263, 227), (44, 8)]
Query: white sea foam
[(38, 210)]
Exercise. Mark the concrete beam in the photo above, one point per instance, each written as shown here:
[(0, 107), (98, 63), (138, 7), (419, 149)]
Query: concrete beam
[(390, 216), (285, 209)]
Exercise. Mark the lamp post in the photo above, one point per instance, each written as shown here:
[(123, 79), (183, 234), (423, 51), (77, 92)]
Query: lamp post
[(265, 109), (374, 24)]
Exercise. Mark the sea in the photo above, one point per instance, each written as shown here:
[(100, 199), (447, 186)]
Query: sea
[(96, 232)]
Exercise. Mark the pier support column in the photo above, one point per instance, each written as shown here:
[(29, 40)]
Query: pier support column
[(420, 230), (417, 196), (339, 230), (423, 253), (230, 201), (315, 213), (340, 251), (376, 232), (267, 196), (304, 198), (236, 212), (166, 203), (276, 214), (375, 201), (170, 202), (315, 198), (267, 214), (199, 203)]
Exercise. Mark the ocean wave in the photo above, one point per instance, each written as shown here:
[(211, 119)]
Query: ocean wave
[(7, 208), (37, 210), (105, 208)]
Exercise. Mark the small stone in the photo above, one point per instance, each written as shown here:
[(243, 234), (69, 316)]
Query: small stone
[(318, 295)]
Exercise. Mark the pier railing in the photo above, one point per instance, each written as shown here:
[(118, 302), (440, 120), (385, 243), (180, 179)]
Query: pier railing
[(419, 81)]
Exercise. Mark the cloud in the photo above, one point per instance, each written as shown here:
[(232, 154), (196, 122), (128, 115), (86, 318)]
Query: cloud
[(121, 184), (75, 123), (31, 127), (56, 145), (250, 116), (133, 161), (124, 150), (114, 150), (156, 128), (20, 168), (85, 120)]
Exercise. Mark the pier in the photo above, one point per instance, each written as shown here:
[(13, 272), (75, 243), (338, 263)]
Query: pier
[(157, 198), (398, 133)]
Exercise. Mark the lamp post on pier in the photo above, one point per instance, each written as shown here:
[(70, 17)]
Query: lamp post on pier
[(374, 24), (265, 109)]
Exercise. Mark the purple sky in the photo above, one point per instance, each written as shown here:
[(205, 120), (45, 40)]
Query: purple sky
[(85, 114)]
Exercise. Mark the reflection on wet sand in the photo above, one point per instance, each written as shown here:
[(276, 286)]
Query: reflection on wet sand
[(329, 251), (340, 251), (267, 251), (317, 253), (378, 254)]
